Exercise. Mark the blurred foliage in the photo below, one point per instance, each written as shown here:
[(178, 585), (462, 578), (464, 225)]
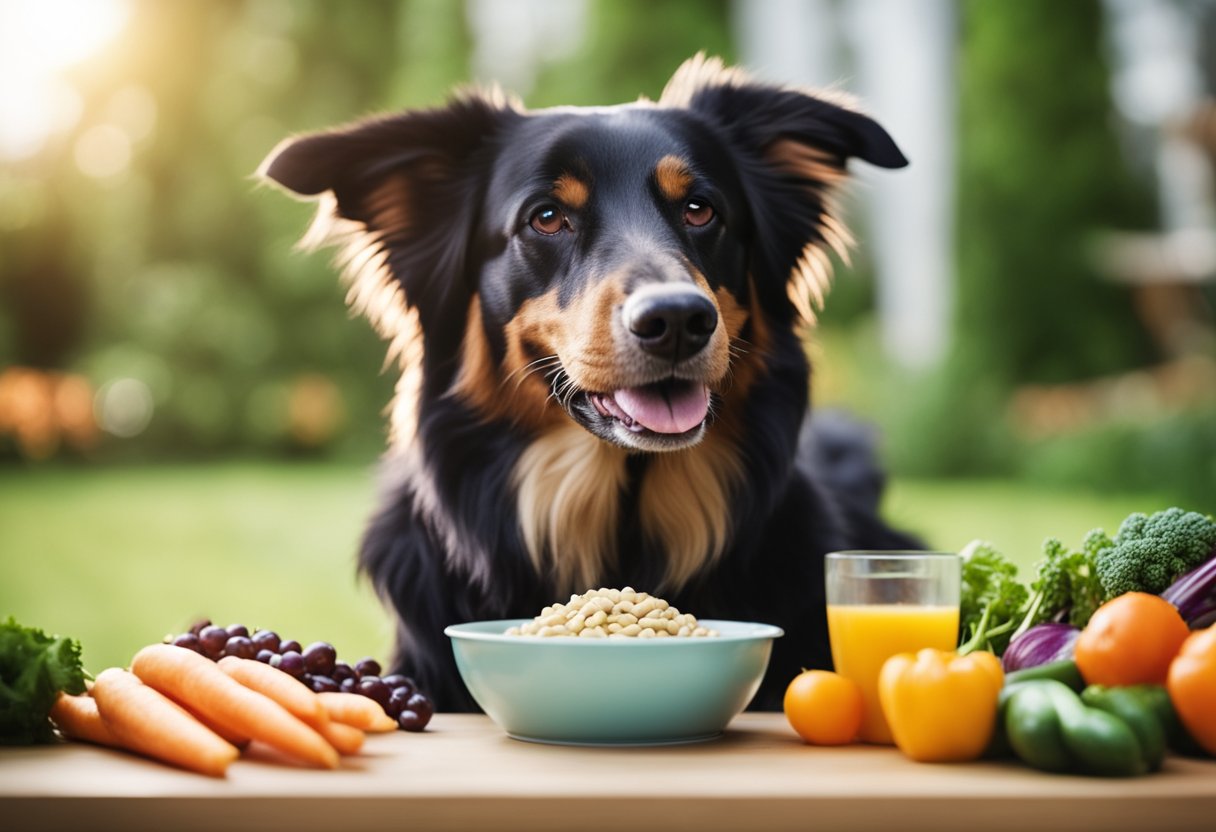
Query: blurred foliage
[(1040, 174), (632, 48), (176, 271)]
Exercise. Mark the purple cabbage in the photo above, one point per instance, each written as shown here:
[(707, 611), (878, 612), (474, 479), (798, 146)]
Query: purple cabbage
[(1194, 594), (1042, 643)]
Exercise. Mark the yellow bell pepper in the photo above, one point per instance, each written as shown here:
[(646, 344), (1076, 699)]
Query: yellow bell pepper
[(941, 706)]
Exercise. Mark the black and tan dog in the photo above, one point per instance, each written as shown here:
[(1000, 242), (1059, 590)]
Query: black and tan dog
[(596, 316)]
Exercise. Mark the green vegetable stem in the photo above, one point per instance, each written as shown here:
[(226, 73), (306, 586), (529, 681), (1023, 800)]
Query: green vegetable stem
[(1064, 670), (991, 599)]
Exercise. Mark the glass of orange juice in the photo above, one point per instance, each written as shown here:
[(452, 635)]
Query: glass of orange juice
[(883, 603)]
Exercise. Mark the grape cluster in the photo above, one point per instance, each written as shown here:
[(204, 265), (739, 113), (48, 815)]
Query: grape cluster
[(316, 666)]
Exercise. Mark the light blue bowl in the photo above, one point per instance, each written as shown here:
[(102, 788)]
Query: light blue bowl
[(612, 691)]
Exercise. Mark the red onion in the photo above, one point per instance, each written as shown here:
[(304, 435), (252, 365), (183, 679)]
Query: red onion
[(1194, 594), (1040, 644)]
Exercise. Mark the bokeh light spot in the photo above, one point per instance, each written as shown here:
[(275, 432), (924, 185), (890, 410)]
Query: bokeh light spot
[(124, 407)]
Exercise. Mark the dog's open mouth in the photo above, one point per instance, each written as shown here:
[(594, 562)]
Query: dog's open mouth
[(667, 407), (661, 416)]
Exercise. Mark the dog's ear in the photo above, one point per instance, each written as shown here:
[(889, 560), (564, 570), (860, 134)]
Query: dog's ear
[(792, 149), (401, 194)]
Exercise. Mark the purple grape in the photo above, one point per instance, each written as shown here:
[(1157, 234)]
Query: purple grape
[(197, 626), (396, 680), (421, 705), (342, 671), (374, 689), (349, 685), (241, 647), (189, 641), (367, 667), (323, 684), (266, 640), (238, 630), (290, 646), (291, 663), (413, 721), (319, 657), (213, 640), (264, 656), (397, 700)]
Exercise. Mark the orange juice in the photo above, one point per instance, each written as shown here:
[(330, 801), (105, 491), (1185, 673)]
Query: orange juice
[(866, 635)]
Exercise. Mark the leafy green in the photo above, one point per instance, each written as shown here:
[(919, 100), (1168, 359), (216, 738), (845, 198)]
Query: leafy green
[(1066, 584), (34, 668), (991, 599)]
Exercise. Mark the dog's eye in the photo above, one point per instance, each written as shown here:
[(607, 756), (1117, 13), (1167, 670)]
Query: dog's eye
[(697, 213), (548, 221)]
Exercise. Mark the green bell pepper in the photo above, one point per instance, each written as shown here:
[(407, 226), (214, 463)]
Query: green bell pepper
[(1106, 731)]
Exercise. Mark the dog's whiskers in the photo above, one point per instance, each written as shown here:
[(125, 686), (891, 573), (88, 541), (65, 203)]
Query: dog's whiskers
[(521, 374)]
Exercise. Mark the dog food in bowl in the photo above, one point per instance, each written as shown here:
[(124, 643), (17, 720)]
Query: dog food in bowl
[(613, 613)]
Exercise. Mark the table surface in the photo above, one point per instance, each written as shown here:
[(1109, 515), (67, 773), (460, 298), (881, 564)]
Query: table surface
[(464, 773)]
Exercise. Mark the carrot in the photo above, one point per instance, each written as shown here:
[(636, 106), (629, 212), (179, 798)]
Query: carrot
[(299, 701), (346, 739), (197, 683), (357, 711), (77, 718), (145, 721), (241, 741)]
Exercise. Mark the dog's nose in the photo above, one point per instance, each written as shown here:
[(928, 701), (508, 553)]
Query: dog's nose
[(672, 322)]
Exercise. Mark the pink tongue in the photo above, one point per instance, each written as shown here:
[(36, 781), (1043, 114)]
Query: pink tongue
[(681, 410)]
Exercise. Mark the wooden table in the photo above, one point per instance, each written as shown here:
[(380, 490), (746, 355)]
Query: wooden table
[(466, 774)]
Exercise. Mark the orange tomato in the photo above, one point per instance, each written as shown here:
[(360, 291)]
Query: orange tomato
[(824, 708), (1192, 687), (1130, 640)]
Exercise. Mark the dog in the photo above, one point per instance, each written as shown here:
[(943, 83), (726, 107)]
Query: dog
[(597, 317)]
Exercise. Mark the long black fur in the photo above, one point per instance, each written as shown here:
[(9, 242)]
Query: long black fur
[(446, 545)]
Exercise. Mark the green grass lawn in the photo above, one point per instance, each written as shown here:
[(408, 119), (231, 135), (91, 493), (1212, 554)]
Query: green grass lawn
[(120, 557)]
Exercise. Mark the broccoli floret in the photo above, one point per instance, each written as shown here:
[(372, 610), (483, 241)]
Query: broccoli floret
[(1150, 551)]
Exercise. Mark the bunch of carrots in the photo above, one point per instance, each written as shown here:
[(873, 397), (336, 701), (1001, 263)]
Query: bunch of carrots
[(179, 707)]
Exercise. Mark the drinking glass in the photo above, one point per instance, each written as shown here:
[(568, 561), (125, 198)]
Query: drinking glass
[(880, 603)]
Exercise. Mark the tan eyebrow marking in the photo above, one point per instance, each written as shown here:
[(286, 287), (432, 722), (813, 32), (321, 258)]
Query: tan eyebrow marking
[(673, 177), (571, 191)]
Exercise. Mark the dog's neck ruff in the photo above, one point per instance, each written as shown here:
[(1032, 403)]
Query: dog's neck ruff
[(569, 486)]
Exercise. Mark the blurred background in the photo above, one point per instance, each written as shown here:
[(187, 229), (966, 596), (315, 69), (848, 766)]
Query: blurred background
[(189, 419)]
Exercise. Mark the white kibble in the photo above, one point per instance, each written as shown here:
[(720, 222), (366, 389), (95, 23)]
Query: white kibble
[(612, 613)]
